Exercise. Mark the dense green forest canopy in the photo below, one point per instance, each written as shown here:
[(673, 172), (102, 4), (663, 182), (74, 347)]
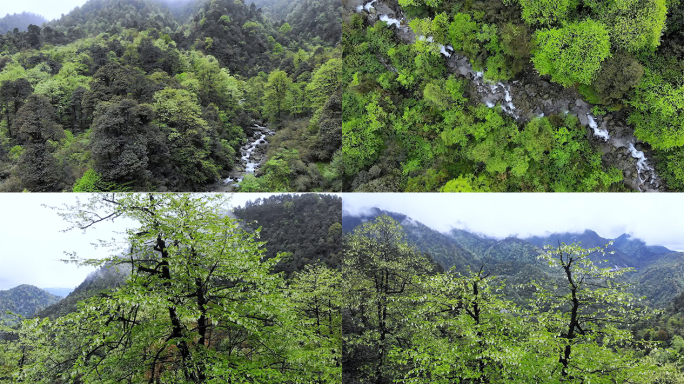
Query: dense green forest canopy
[(416, 118), (307, 227), (125, 95), (25, 300)]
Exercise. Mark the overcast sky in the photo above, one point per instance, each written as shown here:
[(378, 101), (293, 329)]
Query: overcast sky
[(50, 9), (657, 218), (31, 241)]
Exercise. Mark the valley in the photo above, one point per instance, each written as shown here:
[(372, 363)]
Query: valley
[(142, 95)]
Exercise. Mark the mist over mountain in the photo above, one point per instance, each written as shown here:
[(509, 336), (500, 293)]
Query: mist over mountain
[(658, 275), (21, 21)]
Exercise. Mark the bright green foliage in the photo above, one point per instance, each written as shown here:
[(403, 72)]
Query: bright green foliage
[(463, 34), (285, 28), (180, 117), (635, 24), (378, 269), (362, 137), (583, 314), (418, 3), (91, 181), (316, 296), (546, 12), (423, 135), (276, 95), (658, 112), (672, 167), (324, 82), (464, 331), (200, 305), (572, 54), (466, 183)]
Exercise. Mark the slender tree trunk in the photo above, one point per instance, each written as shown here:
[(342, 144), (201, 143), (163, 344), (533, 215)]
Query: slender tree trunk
[(176, 326), (565, 357)]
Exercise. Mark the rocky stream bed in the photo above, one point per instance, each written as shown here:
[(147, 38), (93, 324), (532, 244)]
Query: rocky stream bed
[(252, 155)]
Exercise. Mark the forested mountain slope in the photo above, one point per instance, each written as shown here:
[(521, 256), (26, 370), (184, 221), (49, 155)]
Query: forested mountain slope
[(407, 322), (123, 95), (103, 280), (306, 226), (658, 269), (25, 300)]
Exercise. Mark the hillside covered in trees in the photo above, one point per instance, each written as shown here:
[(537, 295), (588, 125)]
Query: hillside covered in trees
[(307, 227), (24, 300), (513, 95), (406, 321), (155, 95), (196, 299)]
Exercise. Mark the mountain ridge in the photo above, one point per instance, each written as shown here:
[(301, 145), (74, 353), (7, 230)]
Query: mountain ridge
[(657, 275), (25, 300)]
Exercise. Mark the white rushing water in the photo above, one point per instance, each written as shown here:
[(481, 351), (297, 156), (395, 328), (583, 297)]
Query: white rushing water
[(602, 133), (643, 169), (248, 158), (390, 20)]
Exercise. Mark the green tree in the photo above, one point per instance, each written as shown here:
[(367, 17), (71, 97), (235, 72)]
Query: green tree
[(572, 54), (275, 97), (587, 316), (200, 304), (190, 139), (658, 112), (37, 130), (324, 82), (379, 267), (546, 12)]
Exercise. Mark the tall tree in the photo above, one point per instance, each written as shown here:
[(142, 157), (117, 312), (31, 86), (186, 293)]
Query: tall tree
[(379, 267), (276, 95), (37, 130), (587, 316), (12, 95)]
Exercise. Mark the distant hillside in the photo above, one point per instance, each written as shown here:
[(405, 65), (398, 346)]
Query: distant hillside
[(101, 280), (659, 271), (20, 21), (25, 300), (111, 16), (308, 226), (629, 252)]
